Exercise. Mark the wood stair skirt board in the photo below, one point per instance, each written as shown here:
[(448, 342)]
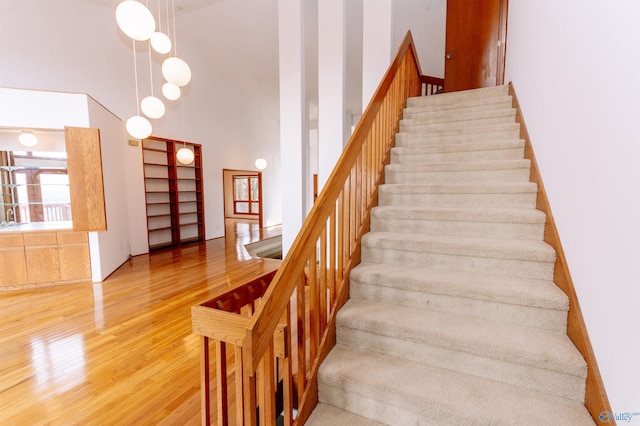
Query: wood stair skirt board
[(462, 310)]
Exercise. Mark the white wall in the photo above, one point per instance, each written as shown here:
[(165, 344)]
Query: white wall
[(427, 21), (75, 46), (576, 69), (114, 244)]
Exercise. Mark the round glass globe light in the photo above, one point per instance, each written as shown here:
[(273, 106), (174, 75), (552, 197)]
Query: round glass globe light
[(139, 127), (176, 71), (185, 155), (28, 139), (135, 20), (261, 163), (152, 107), (160, 42), (171, 91)]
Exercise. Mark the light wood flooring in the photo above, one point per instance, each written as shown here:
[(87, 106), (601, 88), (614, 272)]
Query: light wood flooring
[(120, 352)]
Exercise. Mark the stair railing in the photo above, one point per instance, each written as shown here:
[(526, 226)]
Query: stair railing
[(278, 348)]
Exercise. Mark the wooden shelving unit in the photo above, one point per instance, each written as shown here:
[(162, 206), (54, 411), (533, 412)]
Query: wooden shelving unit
[(173, 191)]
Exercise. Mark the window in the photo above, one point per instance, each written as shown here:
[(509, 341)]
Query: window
[(246, 195), (35, 187)]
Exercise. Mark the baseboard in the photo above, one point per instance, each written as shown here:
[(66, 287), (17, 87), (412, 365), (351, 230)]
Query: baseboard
[(596, 399)]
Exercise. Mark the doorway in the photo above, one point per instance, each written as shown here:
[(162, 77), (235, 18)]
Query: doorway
[(242, 200), (475, 44)]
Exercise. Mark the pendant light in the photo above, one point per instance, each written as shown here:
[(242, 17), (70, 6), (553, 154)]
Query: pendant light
[(185, 155), (175, 70), (27, 139), (135, 20), (151, 106), (138, 126)]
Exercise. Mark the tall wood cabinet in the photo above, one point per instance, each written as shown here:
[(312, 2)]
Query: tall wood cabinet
[(173, 191)]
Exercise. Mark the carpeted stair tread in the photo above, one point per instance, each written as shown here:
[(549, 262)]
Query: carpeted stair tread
[(457, 97), (468, 116), (518, 194), (479, 125), (488, 214), (400, 392), (465, 188), (470, 221), (528, 302), (507, 257), (480, 104), (509, 290), (516, 344), (491, 144), (528, 250), (448, 137), (327, 415), (459, 172)]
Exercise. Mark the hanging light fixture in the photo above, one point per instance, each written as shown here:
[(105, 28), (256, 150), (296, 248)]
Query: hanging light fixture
[(160, 41), (151, 106), (138, 126), (135, 20), (171, 91), (27, 139), (185, 155), (261, 163), (175, 70)]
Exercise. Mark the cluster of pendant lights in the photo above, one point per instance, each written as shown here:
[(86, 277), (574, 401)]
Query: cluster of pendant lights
[(137, 22)]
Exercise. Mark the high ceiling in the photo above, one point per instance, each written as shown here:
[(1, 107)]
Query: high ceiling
[(239, 38)]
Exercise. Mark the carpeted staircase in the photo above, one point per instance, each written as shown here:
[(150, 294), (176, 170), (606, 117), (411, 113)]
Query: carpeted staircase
[(454, 318)]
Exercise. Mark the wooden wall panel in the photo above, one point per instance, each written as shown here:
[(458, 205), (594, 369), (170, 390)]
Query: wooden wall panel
[(86, 185)]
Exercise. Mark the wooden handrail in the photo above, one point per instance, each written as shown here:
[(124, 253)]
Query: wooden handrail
[(278, 348)]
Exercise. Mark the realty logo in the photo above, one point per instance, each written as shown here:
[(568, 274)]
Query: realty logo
[(606, 416)]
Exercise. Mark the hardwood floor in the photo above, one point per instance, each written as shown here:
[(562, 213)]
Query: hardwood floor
[(120, 352)]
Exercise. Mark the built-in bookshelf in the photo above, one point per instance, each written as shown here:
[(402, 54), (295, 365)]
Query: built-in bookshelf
[(173, 191)]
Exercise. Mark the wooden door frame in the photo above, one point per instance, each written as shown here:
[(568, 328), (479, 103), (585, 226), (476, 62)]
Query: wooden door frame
[(502, 52), (260, 203)]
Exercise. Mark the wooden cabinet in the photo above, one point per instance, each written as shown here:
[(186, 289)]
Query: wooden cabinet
[(12, 260), (37, 258), (41, 252), (73, 255), (173, 191)]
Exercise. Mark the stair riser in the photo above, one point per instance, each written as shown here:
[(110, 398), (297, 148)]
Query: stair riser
[(469, 107), (420, 126), (461, 176), (526, 200), (450, 157), (522, 231), (432, 117), (377, 410), (416, 140), (550, 382), (465, 263), (530, 316)]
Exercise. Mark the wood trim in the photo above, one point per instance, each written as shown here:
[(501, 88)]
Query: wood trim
[(595, 398)]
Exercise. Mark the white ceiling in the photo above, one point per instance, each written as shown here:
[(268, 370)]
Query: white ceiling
[(239, 38)]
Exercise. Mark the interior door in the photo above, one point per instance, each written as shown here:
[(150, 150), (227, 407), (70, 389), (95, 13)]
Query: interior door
[(475, 44)]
